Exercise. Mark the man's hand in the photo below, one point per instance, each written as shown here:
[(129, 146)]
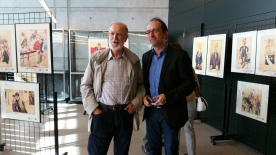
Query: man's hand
[(130, 108), (147, 101), (97, 111), (161, 100)]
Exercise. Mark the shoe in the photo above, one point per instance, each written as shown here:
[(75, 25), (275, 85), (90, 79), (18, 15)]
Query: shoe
[(185, 154), (145, 149)]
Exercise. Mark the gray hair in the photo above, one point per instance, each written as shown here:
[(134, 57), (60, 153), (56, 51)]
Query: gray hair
[(120, 23)]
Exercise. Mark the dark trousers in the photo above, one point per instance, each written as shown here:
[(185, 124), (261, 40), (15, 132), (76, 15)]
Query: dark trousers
[(156, 127), (106, 125)]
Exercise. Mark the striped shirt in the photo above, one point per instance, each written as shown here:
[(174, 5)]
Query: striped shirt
[(115, 81)]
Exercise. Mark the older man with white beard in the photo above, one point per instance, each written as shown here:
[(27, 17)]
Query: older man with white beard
[(112, 91)]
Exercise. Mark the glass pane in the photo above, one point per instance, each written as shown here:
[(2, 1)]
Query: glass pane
[(58, 59), (66, 49), (138, 43), (76, 81)]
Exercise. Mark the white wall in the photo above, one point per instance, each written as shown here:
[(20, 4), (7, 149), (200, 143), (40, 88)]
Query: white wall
[(94, 14)]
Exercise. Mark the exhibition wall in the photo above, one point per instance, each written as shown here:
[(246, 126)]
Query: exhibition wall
[(189, 19)]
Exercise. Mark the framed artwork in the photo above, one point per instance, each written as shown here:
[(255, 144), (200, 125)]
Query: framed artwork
[(244, 52), (25, 77), (265, 57), (7, 49), (20, 101), (96, 45), (199, 54), (252, 100), (34, 48), (215, 55), (126, 44)]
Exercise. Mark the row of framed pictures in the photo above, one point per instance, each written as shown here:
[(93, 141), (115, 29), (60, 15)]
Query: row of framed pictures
[(100, 44), (25, 48), (252, 53), (20, 101)]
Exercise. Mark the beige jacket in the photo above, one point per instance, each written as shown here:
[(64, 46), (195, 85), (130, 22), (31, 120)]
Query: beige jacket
[(91, 86), (195, 93)]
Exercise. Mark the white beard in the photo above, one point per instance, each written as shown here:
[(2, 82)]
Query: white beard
[(120, 46)]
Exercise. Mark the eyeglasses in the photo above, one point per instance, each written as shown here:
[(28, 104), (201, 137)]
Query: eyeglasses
[(153, 31), (120, 34)]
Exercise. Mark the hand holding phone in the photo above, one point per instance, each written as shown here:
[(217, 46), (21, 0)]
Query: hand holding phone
[(147, 101)]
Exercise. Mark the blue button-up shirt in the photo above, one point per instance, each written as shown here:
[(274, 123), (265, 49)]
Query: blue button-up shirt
[(155, 71)]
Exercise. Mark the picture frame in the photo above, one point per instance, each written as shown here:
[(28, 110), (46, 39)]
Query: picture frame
[(126, 44), (216, 55), (244, 52), (265, 57), (200, 54), (20, 101), (7, 49), (252, 100), (96, 44), (34, 53)]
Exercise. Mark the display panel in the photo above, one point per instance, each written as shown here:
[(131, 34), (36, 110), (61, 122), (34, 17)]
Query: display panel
[(265, 57), (33, 48), (200, 54), (244, 52), (252, 100), (7, 49), (126, 44), (20, 101), (215, 55), (96, 45)]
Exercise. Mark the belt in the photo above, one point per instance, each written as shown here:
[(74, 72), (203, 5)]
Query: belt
[(116, 107)]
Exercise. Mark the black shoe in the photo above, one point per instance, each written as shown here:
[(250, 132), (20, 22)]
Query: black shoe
[(145, 149), (185, 154)]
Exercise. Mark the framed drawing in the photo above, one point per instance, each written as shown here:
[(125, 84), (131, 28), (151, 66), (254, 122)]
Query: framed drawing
[(25, 77), (126, 44), (96, 45), (252, 100), (215, 55), (20, 101), (265, 57), (199, 54), (244, 52), (7, 49), (34, 48)]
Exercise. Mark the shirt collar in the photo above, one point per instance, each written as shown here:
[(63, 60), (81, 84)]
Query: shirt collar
[(164, 50), (110, 57)]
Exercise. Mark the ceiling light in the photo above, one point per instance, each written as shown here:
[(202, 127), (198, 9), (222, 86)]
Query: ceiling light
[(43, 3)]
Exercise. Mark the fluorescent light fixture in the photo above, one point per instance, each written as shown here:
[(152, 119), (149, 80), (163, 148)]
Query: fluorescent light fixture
[(43, 3)]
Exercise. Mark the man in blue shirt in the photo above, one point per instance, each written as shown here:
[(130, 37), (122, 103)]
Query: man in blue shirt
[(168, 79)]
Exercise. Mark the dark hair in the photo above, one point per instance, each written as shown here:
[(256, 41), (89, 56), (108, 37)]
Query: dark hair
[(176, 45), (163, 25)]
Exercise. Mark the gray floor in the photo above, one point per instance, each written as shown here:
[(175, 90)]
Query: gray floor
[(73, 137)]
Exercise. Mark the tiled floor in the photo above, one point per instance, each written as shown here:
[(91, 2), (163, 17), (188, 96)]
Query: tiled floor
[(73, 137)]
